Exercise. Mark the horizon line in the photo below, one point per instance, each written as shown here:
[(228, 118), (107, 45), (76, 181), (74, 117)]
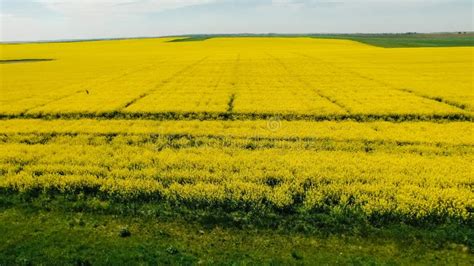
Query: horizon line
[(243, 34)]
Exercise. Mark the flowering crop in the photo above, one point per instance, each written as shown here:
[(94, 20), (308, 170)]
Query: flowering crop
[(239, 75), (74, 124)]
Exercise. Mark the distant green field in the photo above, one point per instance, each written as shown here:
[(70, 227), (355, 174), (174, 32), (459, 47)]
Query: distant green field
[(380, 40), (407, 40)]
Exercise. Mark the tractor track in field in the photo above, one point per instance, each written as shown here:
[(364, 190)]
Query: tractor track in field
[(307, 84), (164, 82), (54, 100), (388, 85), (437, 99), (233, 95), (86, 90)]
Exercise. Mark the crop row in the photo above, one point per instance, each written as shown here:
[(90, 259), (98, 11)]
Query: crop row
[(454, 133), (406, 185), (175, 142)]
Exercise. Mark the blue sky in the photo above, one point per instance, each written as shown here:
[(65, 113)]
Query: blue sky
[(23, 20)]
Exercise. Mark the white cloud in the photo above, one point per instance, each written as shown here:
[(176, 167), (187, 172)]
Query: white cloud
[(305, 2), (111, 7), (67, 19)]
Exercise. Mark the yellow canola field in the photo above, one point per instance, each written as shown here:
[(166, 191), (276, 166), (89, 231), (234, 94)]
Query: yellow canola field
[(404, 184), (89, 122), (416, 170), (239, 75)]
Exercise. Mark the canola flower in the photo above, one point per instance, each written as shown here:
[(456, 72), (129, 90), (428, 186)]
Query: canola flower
[(411, 169), (239, 75), (424, 177)]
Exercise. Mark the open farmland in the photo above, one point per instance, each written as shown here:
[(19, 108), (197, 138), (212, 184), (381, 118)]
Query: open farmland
[(300, 135)]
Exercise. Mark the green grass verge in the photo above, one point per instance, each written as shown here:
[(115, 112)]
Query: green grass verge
[(82, 231)]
